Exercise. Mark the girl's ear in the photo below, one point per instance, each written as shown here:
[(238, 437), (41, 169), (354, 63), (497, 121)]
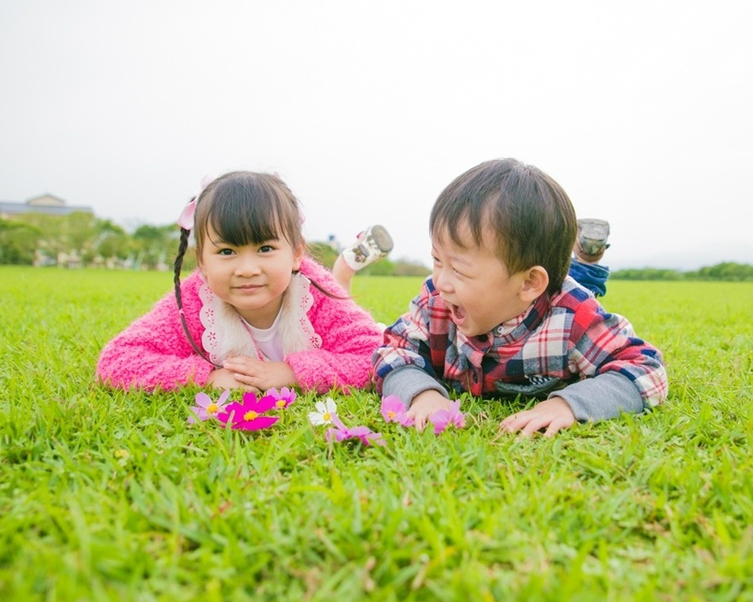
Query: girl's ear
[(535, 283), (298, 257)]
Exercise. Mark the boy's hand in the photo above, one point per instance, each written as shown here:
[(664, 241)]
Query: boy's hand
[(553, 414), (259, 375), (424, 405)]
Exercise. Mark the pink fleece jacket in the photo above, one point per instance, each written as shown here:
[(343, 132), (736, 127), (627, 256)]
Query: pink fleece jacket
[(154, 353)]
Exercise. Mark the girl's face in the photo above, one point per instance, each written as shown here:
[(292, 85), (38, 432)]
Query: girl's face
[(251, 278)]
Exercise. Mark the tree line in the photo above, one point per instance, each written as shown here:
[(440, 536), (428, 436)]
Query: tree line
[(80, 239), (725, 271)]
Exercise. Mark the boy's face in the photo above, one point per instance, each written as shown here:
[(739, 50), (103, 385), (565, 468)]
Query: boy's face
[(475, 284)]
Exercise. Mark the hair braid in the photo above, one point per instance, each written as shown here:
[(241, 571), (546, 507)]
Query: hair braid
[(177, 266)]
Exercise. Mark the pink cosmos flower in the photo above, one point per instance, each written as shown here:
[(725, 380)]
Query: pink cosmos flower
[(444, 418), (205, 408), (362, 433), (394, 410), (248, 416), (283, 398)]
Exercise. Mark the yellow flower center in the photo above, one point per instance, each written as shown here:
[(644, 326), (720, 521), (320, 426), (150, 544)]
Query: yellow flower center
[(326, 416), (391, 414), (280, 403), (212, 408), (250, 415)]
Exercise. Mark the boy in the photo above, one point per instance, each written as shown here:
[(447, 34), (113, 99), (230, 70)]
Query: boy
[(500, 316)]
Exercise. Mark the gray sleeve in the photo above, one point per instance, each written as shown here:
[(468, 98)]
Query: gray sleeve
[(602, 397), (408, 381)]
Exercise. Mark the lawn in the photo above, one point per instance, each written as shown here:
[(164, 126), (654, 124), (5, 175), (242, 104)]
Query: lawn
[(107, 495)]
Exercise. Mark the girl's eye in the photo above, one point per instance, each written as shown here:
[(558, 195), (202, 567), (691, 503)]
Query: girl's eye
[(266, 249), (225, 252)]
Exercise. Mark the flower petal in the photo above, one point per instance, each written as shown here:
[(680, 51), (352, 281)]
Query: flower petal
[(233, 412), (256, 424), (265, 404), (202, 399), (249, 399)]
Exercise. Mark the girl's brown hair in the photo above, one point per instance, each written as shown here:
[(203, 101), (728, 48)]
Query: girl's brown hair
[(242, 208)]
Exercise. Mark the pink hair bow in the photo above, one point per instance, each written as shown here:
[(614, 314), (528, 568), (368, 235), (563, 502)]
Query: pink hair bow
[(185, 220)]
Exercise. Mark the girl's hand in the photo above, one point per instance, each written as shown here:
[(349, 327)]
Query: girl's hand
[(553, 414), (224, 379), (260, 375), (424, 405)]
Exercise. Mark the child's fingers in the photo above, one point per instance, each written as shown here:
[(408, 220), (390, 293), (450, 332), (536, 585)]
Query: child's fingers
[(252, 383), (536, 423), (515, 422), (556, 426)]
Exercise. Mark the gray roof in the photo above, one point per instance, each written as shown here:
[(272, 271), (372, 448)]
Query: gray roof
[(15, 208)]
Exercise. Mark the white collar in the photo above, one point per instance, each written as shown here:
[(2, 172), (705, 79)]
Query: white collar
[(225, 336)]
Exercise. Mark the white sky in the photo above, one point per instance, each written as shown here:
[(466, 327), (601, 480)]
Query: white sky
[(641, 110)]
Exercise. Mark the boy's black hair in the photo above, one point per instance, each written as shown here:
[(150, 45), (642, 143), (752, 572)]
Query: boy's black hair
[(530, 216)]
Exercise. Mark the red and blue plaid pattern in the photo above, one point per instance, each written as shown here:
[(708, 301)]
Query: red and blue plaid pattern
[(559, 340)]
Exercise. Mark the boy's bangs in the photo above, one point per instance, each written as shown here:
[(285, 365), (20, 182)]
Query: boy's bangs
[(241, 222), (452, 217)]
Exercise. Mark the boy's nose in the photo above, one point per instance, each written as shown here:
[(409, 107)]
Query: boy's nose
[(442, 282)]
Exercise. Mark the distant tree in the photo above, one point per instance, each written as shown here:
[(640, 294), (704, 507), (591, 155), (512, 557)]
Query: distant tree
[(18, 242), (646, 274), (323, 253), (112, 241), (727, 271), (155, 244), (72, 233), (404, 267)]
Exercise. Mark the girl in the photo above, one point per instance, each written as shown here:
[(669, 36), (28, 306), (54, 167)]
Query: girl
[(258, 312)]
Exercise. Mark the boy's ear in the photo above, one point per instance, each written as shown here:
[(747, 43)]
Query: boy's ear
[(535, 283)]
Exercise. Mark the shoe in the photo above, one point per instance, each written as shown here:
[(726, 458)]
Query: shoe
[(592, 239), (372, 244)]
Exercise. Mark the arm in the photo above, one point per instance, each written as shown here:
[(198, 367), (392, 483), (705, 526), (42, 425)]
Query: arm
[(403, 364), (153, 352), (619, 373), (349, 336)]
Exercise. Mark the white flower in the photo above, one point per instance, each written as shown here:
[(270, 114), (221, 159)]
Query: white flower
[(325, 410)]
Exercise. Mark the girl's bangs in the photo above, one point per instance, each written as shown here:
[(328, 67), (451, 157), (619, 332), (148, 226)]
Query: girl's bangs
[(243, 221)]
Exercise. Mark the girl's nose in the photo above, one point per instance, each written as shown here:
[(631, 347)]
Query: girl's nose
[(247, 266)]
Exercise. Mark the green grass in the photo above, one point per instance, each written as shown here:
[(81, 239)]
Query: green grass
[(112, 496)]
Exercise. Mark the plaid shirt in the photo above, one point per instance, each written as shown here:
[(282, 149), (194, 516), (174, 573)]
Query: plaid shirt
[(557, 341)]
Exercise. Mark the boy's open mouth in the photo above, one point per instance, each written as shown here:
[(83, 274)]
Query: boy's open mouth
[(457, 313)]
